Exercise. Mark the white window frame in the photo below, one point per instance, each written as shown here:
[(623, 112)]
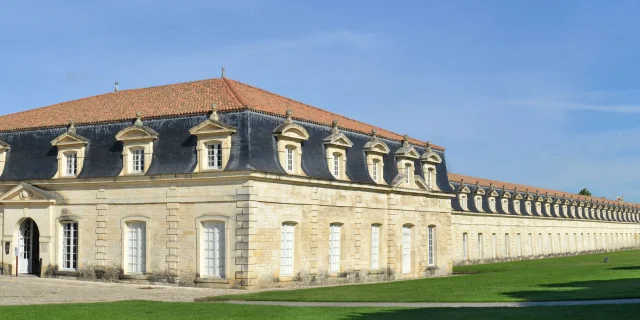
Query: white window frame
[(407, 173), (336, 165), (374, 170), (480, 246), (431, 246), (136, 244), (214, 155), (334, 247), (287, 248), (478, 202), (375, 246), (70, 245), (290, 158), (137, 160), (465, 246), (492, 203), (430, 177), (406, 249), (519, 244), (494, 246), (214, 249), (507, 245), (463, 201), (71, 164)]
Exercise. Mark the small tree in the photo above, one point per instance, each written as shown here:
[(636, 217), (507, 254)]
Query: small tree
[(585, 192)]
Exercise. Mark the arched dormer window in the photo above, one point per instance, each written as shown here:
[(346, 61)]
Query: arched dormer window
[(405, 157), (478, 202), (214, 142), (492, 204), (137, 151), (290, 137), (429, 161), (505, 205), (375, 149), (71, 147), (4, 148), (527, 206), (336, 146)]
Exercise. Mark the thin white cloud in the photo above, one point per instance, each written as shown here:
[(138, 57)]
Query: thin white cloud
[(617, 108)]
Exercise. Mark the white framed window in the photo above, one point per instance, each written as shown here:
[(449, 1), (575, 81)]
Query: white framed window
[(286, 249), (530, 240), (505, 205), (375, 169), (336, 165), (463, 201), (519, 244), (136, 247), (406, 249), (70, 246), (375, 246), (214, 249), (494, 246), (480, 247), (407, 173), (479, 203), (431, 261), (492, 204), (71, 159), (507, 246), (430, 177), (214, 156), (540, 244), (137, 160), (527, 205), (465, 246), (334, 247), (290, 159), (549, 243)]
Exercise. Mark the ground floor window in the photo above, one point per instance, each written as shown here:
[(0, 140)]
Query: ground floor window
[(406, 249), (334, 247), (507, 251), (70, 245), (494, 250), (214, 248), (136, 247), (465, 254), (286, 248), (375, 246), (480, 247), (431, 246)]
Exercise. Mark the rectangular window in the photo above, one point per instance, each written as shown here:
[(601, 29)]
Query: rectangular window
[(507, 248), (334, 248), (375, 246), (429, 173), (287, 245), (550, 244), (70, 245), (137, 163), (406, 249), (530, 239), (214, 249), (374, 171), (494, 246), (465, 254), (72, 163), (431, 246), (214, 156), (336, 165), (136, 245), (290, 159), (519, 244), (407, 169), (540, 244), (480, 247)]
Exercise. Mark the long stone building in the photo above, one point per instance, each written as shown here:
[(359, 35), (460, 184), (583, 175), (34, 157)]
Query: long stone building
[(218, 183)]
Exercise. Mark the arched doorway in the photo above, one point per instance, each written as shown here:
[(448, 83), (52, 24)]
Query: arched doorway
[(28, 243)]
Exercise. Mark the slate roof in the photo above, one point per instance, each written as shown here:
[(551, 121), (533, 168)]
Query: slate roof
[(454, 177), (182, 99)]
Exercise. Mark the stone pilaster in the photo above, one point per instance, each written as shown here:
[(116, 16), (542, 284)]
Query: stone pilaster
[(173, 230), (393, 205), (101, 228), (245, 237)]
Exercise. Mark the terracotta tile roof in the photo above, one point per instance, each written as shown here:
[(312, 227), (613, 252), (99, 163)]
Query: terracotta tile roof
[(180, 99), (454, 177)]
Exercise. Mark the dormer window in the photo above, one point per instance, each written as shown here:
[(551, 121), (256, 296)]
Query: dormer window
[(214, 155), (71, 147), (71, 159), (290, 159), (463, 201), (406, 156), (505, 205), (137, 160), (375, 149), (527, 206), (336, 165), (290, 137), (429, 161), (492, 204), (336, 145), (478, 202), (214, 142)]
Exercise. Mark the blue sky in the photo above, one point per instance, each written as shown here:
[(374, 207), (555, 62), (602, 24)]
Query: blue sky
[(543, 93)]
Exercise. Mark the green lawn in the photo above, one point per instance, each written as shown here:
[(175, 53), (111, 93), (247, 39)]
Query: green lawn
[(141, 310), (584, 277)]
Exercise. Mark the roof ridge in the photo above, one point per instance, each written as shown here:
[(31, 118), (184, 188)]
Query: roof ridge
[(241, 100), (317, 108)]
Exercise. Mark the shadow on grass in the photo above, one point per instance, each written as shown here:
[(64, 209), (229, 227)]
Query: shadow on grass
[(626, 268), (582, 290), (609, 312)]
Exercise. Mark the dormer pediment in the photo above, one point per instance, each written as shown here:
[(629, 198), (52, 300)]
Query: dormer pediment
[(430, 155), (407, 150), (530, 197), (465, 189), (338, 140), (290, 130), (494, 193), (540, 199), (211, 127), (69, 139), (376, 145), (480, 191), (519, 197), (137, 133), (25, 192), (507, 195)]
